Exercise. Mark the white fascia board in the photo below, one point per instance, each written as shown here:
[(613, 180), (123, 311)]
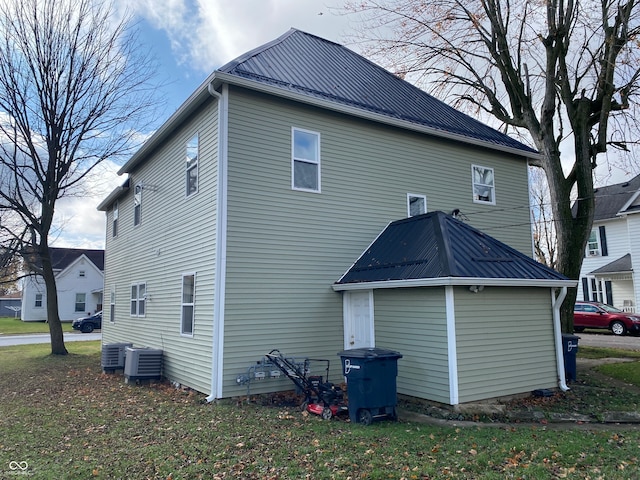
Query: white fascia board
[(111, 198), (623, 210), (455, 281), (376, 117), (197, 98)]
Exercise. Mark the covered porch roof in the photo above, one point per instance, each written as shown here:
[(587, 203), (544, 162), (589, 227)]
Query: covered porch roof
[(436, 249)]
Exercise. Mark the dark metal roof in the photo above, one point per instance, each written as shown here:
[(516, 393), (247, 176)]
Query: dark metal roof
[(611, 199), (436, 245), (622, 264), (305, 64)]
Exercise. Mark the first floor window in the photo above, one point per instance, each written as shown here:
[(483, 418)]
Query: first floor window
[(305, 153), (416, 204), (81, 302), (112, 305), (188, 303), (38, 302), (138, 298), (483, 185)]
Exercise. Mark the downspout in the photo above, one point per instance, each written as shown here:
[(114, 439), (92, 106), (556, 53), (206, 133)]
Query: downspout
[(557, 332), (217, 341)]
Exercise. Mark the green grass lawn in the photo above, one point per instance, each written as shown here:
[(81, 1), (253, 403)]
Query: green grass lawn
[(63, 418), (15, 326)]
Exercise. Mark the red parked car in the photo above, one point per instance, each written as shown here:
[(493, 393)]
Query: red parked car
[(600, 315)]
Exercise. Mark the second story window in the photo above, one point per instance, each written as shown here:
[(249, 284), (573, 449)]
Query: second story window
[(305, 146), (137, 205), (38, 301), (115, 219), (483, 185), (597, 243), (192, 165)]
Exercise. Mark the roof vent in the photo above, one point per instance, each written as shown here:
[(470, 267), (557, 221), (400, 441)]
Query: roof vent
[(113, 356), (142, 364)]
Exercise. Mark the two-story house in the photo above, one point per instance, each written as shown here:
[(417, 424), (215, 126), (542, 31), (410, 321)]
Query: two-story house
[(240, 224), (79, 280), (607, 273)]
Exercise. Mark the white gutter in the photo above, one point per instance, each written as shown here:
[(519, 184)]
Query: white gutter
[(556, 303), (217, 342), (456, 281)]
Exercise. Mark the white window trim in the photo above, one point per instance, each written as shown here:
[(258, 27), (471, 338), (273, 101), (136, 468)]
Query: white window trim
[(138, 299), (137, 188), (597, 252), (112, 304), (195, 165), (473, 185), (75, 303), (305, 160), (114, 220), (414, 195), (36, 299), (192, 304)]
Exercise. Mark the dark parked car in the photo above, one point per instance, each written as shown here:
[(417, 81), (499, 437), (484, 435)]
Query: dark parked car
[(600, 315), (88, 324)]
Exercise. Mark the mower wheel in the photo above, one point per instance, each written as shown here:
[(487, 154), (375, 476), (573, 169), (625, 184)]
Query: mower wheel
[(303, 406), (364, 417), (327, 414)]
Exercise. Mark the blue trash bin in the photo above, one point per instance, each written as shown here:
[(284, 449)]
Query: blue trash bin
[(570, 350), (371, 383)]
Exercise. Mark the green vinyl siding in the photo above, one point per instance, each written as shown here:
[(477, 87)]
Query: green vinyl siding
[(176, 235), (504, 342), (413, 322), (285, 248)]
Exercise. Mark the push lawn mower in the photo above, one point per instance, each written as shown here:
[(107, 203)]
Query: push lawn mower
[(321, 397)]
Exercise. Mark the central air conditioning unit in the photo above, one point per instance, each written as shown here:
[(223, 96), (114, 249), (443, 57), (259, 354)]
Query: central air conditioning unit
[(142, 364), (113, 356)]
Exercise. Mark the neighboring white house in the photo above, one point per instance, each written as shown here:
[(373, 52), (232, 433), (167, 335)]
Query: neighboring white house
[(79, 279), (613, 248)]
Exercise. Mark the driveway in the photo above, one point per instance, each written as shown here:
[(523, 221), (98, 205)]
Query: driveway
[(8, 340), (607, 339)]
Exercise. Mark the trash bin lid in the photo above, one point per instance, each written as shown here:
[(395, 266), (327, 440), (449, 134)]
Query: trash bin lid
[(370, 353), (569, 337)]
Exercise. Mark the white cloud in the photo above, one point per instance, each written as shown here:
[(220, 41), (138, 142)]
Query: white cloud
[(205, 34), (78, 223)]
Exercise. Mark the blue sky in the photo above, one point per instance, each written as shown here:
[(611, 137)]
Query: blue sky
[(189, 40)]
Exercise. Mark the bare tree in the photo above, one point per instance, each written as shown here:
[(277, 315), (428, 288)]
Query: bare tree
[(561, 73), (10, 267), (545, 242), (73, 88)]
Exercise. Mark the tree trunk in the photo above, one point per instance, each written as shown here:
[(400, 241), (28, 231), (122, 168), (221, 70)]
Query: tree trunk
[(53, 317), (572, 229)]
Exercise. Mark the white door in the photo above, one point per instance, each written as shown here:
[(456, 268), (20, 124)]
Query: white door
[(358, 319)]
